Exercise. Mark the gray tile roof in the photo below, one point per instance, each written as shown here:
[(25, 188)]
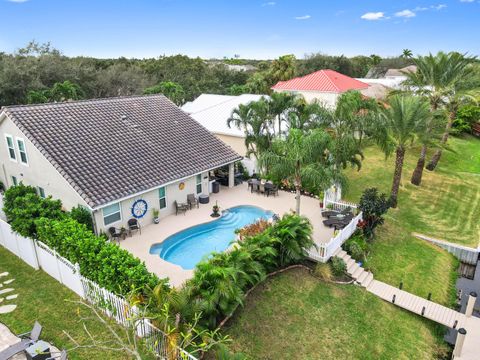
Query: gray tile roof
[(112, 148)]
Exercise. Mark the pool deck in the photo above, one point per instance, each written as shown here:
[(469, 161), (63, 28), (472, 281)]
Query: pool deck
[(139, 245)]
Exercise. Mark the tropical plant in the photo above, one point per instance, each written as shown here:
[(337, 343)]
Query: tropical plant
[(60, 91), (398, 125), (279, 103), (438, 78), (301, 158), (373, 207), (407, 53), (304, 115), (82, 215), (339, 267)]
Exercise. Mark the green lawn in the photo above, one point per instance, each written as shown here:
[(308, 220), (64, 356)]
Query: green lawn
[(42, 298), (445, 206), (295, 316)]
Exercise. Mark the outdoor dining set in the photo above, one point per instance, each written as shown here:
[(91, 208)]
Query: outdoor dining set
[(262, 187), (337, 219)]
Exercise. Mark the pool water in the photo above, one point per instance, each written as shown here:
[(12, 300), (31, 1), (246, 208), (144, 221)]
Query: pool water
[(187, 247)]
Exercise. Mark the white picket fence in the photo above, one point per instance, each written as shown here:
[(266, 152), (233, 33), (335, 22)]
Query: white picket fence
[(39, 256), (324, 252)]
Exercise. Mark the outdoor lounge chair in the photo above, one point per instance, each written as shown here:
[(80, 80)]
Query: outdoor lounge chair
[(27, 340), (271, 189), (330, 213), (114, 234), (334, 221), (192, 201), (180, 207), (134, 225)]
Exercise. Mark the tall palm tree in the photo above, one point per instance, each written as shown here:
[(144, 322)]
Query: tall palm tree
[(303, 115), (398, 124), (407, 53), (279, 104), (436, 78), (301, 158)]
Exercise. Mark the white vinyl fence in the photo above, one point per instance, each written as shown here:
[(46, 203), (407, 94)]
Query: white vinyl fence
[(40, 256)]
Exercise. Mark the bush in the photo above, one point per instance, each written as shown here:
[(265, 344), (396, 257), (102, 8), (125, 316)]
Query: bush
[(108, 265), (23, 206), (357, 247), (83, 216), (220, 282), (323, 271), (339, 267), (373, 206), (253, 229)]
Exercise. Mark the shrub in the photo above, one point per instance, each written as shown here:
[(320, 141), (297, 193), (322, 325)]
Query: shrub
[(83, 216), (103, 262), (357, 247), (356, 252), (373, 206), (323, 271), (339, 267), (23, 206), (253, 229)]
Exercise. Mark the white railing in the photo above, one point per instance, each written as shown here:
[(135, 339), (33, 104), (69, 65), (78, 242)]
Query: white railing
[(324, 252), (40, 256), (337, 205)]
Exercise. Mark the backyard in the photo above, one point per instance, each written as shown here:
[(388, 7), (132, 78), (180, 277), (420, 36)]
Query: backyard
[(42, 298), (296, 316)]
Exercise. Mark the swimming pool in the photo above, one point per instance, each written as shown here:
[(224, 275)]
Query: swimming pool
[(187, 247)]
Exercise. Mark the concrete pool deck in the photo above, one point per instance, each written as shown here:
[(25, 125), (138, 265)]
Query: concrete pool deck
[(139, 245)]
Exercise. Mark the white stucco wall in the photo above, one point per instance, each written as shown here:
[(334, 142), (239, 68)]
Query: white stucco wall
[(173, 192), (328, 99), (39, 172), (238, 144)]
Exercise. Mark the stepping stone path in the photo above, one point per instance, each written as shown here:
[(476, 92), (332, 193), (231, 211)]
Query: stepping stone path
[(7, 308)]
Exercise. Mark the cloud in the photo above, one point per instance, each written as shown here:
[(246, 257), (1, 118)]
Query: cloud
[(304, 17), (438, 7), (373, 16), (270, 3), (405, 13)]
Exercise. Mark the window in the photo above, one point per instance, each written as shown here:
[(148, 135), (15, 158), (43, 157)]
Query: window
[(22, 151), (199, 183), (162, 194), (11, 148), (111, 214), (41, 192), (14, 180)]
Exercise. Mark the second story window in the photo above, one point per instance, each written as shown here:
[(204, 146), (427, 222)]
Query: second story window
[(11, 148), (22, 151)]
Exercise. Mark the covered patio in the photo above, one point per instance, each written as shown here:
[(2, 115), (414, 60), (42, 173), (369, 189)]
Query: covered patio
[(139, 244)]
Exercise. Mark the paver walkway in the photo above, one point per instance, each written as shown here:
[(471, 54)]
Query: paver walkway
[(418, 305)]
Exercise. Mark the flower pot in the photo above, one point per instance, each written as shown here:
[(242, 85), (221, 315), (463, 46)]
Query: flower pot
[(156, 220)]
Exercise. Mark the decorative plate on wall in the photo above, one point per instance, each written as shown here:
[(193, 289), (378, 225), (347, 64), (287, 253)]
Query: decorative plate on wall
[(181, 186), (139, 208)]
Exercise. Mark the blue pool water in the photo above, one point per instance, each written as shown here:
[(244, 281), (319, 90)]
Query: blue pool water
[(187, 247)]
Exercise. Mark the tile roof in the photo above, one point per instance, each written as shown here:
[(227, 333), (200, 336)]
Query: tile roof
[(212, 113), (108, 149), (323, 81)]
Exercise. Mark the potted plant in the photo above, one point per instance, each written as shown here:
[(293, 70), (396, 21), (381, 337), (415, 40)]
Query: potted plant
[(216, 210), (155, 213)]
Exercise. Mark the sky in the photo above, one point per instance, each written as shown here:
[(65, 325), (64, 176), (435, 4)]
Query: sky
[(257, 29)]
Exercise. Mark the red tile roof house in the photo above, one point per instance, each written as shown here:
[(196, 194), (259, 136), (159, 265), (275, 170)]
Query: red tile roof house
[(324, 86), (118, 157)]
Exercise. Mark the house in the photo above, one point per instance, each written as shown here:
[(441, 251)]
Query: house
[(213, 111), (324, 86), (393, 80), (118, 157)]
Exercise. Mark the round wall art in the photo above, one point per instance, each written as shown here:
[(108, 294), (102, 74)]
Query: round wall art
[(139, 208)]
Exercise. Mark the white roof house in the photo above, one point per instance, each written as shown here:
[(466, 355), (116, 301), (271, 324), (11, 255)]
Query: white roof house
[(212, 111)]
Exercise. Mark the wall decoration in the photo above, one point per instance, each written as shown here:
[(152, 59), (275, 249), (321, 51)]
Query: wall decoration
[(139, 208), (181, 186)]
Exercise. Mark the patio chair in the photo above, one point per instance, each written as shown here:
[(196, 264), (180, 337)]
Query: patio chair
[(115, 234), (27, 340), (330, 213), (192, 201), (180, 207), (134, 225), (272, 189)]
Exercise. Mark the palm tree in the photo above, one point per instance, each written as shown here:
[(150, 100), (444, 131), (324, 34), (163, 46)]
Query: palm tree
[(437, 77), (375, 59), (399, 122), (304, 116), (407, 53), (279, 103), (301, 158)]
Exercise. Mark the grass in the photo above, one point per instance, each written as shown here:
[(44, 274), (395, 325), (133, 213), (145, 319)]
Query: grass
[(42, 298), (445, 206), (295, 316)]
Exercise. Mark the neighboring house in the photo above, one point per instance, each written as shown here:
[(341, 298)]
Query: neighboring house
[(213, 111), (324, 86), (117, 157)]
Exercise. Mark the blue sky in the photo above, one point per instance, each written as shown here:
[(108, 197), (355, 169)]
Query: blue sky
[(251, 28)]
